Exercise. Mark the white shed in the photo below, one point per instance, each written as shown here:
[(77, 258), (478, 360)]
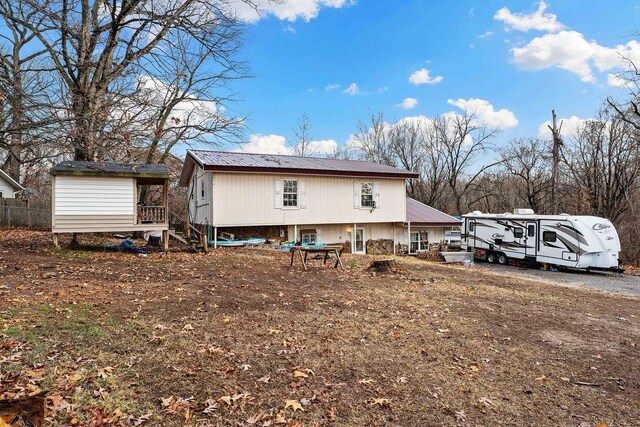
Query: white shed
[(8, 186), (90, 197)]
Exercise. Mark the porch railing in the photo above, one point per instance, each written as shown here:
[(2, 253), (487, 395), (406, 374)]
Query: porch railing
[(152, 215)]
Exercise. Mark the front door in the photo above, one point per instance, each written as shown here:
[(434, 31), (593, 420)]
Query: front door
[(360, 247), (531, 239)]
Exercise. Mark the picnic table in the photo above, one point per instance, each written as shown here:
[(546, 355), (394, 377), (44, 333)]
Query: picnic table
[(326, 250)]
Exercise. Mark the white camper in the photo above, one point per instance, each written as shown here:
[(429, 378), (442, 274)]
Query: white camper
[(585, 242)]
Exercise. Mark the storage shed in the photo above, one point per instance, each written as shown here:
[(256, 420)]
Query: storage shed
[(89, 197)]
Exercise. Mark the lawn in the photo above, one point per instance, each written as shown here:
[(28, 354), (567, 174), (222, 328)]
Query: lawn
[(239, 338)]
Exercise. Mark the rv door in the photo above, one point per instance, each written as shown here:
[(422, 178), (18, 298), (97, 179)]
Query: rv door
[(531, 239)]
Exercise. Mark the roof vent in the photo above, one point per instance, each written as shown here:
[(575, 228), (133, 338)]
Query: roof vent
[(521, 211), (477, 213)]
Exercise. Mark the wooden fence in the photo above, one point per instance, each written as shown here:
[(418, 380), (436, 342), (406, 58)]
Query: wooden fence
[(21, 213)]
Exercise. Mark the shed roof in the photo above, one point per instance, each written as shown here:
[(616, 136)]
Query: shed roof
[(124, 170), (421, 214), (12, 182), (225, 161)]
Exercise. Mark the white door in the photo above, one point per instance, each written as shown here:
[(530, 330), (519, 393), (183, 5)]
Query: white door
[(360, 247)]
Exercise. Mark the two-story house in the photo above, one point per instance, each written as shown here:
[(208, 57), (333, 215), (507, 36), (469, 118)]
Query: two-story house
[(306, 199)]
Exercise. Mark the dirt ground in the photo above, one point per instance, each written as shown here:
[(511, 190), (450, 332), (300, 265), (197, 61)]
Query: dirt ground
[(238, 338)]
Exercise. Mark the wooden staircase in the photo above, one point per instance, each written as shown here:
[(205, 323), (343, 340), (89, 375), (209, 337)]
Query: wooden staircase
[(193, 238)]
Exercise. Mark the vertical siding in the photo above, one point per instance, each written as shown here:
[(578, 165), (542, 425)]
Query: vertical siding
[(98, 196), (200, 208), (248, 199), (6, 189)]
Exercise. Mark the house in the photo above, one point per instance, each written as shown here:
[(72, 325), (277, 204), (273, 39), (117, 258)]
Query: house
[(426, 225), (305, 199), (8, 186), (90, 197)]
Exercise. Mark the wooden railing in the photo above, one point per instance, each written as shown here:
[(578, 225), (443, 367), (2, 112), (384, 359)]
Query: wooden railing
[(152, 215)]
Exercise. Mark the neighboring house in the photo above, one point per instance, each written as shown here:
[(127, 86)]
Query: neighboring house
[(8, 186), (90, 197), (301, 199)]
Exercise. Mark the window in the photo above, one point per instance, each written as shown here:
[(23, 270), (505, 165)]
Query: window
[(290, 193), (419, 241), (472, 226), (0, 194), (531, 230), (309, 237), (549, 236), (366, 195), (202, 189), (518, 233)]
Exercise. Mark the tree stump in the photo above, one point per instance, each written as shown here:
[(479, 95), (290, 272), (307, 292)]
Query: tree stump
[(27, 411), (383, 265)]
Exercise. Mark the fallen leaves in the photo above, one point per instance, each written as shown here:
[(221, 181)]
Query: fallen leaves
[(177, 405), (293, 404)]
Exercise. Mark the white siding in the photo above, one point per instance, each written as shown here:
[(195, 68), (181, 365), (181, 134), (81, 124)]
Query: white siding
[(241, 199), (200, 208), (6, 189), (94, 196)]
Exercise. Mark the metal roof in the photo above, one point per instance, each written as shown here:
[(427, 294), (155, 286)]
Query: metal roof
[(12, 182), (81, 168), (247, 162), (421, 214)]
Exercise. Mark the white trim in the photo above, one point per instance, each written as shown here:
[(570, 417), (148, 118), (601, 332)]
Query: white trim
[(12, 182)]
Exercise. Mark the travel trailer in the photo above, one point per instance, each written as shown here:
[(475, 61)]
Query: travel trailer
[(584, 242)]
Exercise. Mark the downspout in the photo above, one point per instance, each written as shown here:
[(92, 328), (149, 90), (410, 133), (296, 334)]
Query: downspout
[(409, 236)]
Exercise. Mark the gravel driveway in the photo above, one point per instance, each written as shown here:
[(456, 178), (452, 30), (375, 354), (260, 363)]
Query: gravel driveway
[(606, 282)]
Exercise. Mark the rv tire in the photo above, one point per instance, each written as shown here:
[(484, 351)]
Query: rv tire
[(491, 257), (502, 259)]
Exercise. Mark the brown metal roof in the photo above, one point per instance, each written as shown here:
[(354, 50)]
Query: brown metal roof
[(421, 214), (83, 168), (271, 163)]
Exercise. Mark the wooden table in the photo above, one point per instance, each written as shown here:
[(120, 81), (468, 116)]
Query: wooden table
[(326, 250)]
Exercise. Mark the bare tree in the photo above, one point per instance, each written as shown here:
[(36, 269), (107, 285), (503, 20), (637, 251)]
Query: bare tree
[(372, 140), (303, 134), (100, 48), (603, 161), (525, 159), (460, 139), (407, 141)]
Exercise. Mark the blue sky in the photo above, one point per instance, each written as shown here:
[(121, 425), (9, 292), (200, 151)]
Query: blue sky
[(508, 62)]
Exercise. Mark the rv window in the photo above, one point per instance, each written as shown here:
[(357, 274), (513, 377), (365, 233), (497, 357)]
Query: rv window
[(518, 233), (531, 230), (472, 226), (549, 236)]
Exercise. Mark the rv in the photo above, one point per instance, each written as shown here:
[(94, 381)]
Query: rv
[(583, 242)]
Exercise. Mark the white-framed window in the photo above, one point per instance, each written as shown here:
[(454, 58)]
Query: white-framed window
[(419, 241), (202, 189), (290, 193), (366, 194), (309, 237)]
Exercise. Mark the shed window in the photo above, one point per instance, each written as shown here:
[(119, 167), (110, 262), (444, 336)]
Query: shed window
[(366, 194), (549, 236), (202, 189), (290, 193), (531, 230), (518, 233)]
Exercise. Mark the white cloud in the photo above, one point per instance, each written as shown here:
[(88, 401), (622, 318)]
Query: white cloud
[(617, 80), (322, 147), (332, 86), (277, 144), (408, 103), (485, 114), (486, 34), (288, 10), (422, 76), (352, 89), (569, 127), (265, 144), (569, 50), (538, 20)]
